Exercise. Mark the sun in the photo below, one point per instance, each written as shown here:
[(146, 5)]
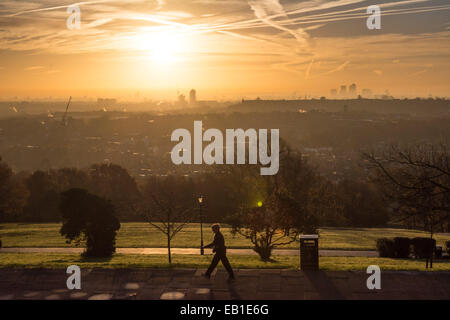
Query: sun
[(162, 46), (165, 47)]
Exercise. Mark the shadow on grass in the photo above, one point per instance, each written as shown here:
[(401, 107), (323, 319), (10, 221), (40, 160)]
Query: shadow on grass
[(270, 260), (94, 259), (17, 234)]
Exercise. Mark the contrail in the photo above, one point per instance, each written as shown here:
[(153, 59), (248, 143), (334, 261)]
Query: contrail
[(58, 7)]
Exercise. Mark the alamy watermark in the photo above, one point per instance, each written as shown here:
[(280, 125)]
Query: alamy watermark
[(74, 20), (213, 153), (374, 281), (74, 281), (374, 20)]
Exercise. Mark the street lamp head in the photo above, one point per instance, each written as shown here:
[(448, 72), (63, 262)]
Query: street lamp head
[(200, 199)]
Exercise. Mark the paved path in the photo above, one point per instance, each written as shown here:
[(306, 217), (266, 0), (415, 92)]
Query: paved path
[(323, 253), (153, 284)]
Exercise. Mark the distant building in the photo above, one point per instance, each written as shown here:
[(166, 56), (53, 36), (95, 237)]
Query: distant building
[(352, 90), (192, 97), (106, 102), (333, 92), (343, 91), (182, 99), (366, 93)]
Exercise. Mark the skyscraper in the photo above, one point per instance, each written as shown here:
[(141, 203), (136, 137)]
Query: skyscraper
[(367, 93), (343, 91), (352, 90), (181, 100), (192, 97)]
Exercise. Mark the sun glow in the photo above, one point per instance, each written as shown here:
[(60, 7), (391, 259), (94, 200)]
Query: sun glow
[(164, 46)]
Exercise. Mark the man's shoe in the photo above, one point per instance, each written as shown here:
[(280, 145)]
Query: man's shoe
[(207, 276)]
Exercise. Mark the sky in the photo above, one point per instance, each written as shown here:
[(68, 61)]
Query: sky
[(225, 49)]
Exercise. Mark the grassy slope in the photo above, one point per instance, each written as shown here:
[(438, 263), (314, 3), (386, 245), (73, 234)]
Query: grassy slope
[(143, 235), (38, 260)]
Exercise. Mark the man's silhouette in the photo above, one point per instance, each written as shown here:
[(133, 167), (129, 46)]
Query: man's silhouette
[(220, 251)]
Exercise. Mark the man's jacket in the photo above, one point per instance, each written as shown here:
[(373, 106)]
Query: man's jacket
[(218, 244)]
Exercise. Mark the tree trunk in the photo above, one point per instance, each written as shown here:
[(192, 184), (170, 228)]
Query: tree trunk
[(432, 250), (168, 238), (264, 252), (168, 250)]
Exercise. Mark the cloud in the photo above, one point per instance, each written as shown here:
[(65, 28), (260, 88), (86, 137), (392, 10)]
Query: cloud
[(418, 72), (57, 7), (264, 8), (33, 68), (291, 32), (339, 68), (308, 70), (378, 72), (52, 71)]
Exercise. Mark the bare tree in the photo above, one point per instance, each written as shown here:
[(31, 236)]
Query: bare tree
[(168, 204), (416, 180), (275, 209)]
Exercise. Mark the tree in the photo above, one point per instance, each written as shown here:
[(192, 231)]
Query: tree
[(416, 179), (91, 218), (42, 204), (45, 188), (13, 194), (5, 184), (113, 182), (361, 204), (265, 225), (168, 204), (219, 204), (69, 178), (276, 209)]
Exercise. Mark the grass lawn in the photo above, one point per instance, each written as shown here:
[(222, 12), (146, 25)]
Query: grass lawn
[(137, 235), (55, 261)]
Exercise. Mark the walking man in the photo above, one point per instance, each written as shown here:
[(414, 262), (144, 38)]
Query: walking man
[(220, 251)]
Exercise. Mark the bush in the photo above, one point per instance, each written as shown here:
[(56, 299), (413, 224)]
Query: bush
[(91, 218), (423, 247), (402, 247), (386, 248)]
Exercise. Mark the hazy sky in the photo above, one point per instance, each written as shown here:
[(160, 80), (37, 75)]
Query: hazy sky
[(223, 48)]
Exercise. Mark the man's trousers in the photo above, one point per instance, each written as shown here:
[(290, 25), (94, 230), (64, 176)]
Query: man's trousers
[(222, 257)]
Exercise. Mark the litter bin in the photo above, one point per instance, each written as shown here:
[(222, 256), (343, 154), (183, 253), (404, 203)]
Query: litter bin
[(309, 252), (438, 252)]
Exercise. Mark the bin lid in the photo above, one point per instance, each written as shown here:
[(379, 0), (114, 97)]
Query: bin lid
[(309, 236)]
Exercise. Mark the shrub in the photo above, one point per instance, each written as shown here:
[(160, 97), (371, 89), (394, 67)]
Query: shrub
[(402, 247), (423, 247), (91, 218), (386, 248)]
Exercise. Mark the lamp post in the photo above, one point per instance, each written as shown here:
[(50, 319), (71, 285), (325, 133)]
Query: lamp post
[(200, 201)]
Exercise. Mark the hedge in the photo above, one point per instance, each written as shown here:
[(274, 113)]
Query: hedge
[(399, 247), (423, 247), (386, 248), (402, 247)]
